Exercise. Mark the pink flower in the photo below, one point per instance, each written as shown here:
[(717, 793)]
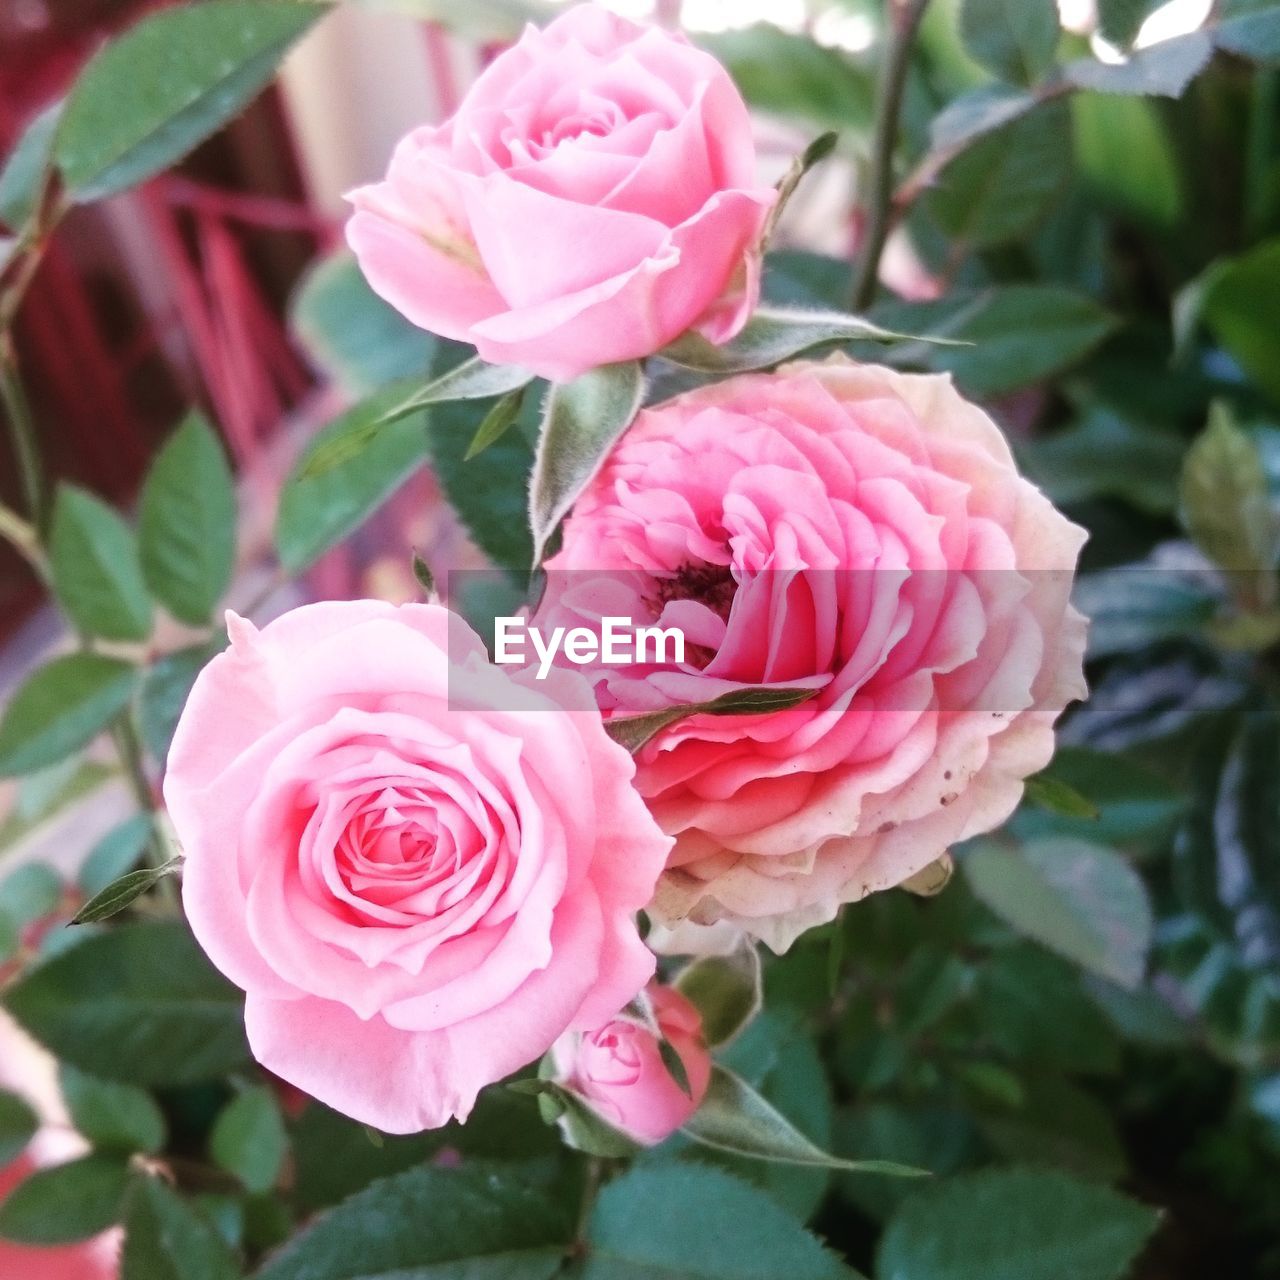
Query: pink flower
[(25, 1069), (840, 527), (618, 1068), (593, 197), (417, 899)]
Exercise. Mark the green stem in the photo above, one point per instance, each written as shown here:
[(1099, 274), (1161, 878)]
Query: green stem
[(25, 541), (904, 20), (22, 431), (129, 750)]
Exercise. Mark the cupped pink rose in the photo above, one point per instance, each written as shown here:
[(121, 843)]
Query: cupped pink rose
[(593, 197), (837, 527), (27, 1070), (421, 871), (617, 1068)]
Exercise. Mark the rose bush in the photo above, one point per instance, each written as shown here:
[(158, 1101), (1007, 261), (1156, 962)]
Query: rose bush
[(593, 197), (852, 529), (617, 1068), (417, 899)]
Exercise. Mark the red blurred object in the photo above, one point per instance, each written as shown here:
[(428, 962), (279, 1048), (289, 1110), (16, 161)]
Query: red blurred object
[(168, 296)]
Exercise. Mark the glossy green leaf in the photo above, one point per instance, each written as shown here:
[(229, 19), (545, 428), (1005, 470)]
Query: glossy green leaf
[(1241, 307), (1129, 607), (151, 95), (66, 1202), (97, 576), (1120, 20), (582, 420), (432, 1224), (249, 1140), (62, 707), (1164, 69), (18, 1125), (165, 1238), (1014, 1224), (1079, 899), (1013, 39), (187, 523), (138, 1003), (113, 1116)]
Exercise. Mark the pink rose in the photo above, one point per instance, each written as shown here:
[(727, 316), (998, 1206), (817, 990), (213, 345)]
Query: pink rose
[(618, 1068), (417, 899), (843, 527), (593, 197), (27, 1070)]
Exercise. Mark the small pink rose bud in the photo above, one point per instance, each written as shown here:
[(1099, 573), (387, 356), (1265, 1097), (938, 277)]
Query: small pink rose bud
[(618, 1069)]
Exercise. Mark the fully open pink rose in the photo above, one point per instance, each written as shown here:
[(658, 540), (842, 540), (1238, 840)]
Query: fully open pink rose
[(418, 899), (28, 1071), (593, 197), (617, 1069), (840, 527)]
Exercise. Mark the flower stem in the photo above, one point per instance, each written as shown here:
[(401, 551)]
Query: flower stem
[(904, 20), (22, 432)]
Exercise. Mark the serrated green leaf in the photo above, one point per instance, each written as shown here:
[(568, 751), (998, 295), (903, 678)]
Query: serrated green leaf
[(151, 95), (67, 1202), (681, 1221), (97, 576), (113, 1116), (165, 1238), (138, 1003), (432, 1224), (582, 420), (726, 991), (187, 523), (62, 707), (1079, 899), (18, 1125), (1163, 70), (1014, 1225), (249, 1139)]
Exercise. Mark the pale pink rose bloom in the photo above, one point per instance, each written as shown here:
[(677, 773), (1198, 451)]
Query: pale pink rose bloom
[(617, 1069), (28, 1071), (843, 527), (594, 196), (417, 899)]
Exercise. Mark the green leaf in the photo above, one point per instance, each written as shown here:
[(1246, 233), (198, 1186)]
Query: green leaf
[(26, 170), (976, 113), (432, 1224), (1120, 20), (166, 1239), (355, 337), (772, 335), (187, 522), (690, 1222), (166, 685), (1163, 70), (62, 707), (733, 1117), (31, 893), (139, 1003), (582, 420), (1020, 334), (1002, 186), (633, 732), (726, 991), (1079, 899), (66, 1203), (792, 75), (96, 574), (1013, 39), (1129, 607), (1253, 34), (124, 892), (1014, 1225), (318, 509), (425, 578), (156, 92), (115, 854), (495, 424), (113, 1116), (249, 1141), (1060, 797), (18, 1125), (1226, 508), (582, 1127), (1241, 306)]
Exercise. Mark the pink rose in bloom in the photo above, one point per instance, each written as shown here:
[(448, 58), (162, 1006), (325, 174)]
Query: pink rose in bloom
[(618, 1068), (593, 197), (840, 527), (417, 899), (27, 1070)]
